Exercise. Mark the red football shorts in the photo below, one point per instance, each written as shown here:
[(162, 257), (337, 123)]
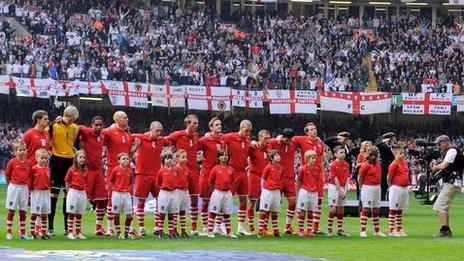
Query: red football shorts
[(240, 184), (96, 186), (288, 187), (205, 189), (194, 183), (254, 186), (145, 184)]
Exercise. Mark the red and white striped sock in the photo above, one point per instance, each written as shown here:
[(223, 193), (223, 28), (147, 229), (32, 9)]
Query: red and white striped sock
[(219, 219), (110, 216), (227, 223), (117, 226), (127, 224), (9, 222), (275, 221), (290, 214), (330, 219), (171, 223), (301, 220), (376, 221), (100, 213), (44, 224), (363, 218), (317, 216), (194, 216), (182, 218), (391, 220), (211, 218), (399, 220), (309, 219), (78, 224), (71, 222), (262, 220), (160, 219), (340, 221), (241, 215), (141, 214), (251, 217), (204, 214), (22, 222), (32, 223)]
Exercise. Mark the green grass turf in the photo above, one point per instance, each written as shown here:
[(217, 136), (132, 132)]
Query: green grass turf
[(420, 222)]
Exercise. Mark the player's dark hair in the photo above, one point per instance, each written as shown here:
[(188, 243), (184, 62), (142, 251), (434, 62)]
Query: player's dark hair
[(37, 115), (96, 118), (288, 133), (307, 126)]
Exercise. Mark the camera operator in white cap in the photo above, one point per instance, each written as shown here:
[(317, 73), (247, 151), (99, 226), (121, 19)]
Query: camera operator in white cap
[(451, 166)]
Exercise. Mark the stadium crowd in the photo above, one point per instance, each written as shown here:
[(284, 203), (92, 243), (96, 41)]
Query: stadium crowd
[(173, 45)]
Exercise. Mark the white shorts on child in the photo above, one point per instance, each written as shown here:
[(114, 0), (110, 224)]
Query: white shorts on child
[(121, 202), (307, 200), (168, 202), (40, 201), (76, 201), (334, 197), (17, 197), (270, 200), (220, 202), (398, 197), (184, 199), (370, 196)]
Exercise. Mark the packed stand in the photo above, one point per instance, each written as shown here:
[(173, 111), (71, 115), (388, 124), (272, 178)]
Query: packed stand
[(121, 41)]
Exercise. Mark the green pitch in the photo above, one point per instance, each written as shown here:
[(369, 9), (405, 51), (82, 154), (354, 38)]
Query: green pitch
[(420, 223)]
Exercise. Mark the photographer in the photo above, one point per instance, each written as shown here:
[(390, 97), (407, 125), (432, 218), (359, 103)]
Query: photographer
[(451, 171)]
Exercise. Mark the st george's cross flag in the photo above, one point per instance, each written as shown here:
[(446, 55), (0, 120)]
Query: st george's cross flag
[(168, 96), (208, 98), (291, 101), (247, 99), (129, 94), (356, 102), (427, 103)]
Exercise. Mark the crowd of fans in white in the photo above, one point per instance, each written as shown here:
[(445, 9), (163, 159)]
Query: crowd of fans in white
[(93, 40)]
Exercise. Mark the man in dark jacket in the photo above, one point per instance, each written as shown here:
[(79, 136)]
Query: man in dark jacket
[(387, 157)]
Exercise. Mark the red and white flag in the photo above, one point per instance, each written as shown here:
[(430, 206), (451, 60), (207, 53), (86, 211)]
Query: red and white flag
[(127, 94), (5, 84), (168, 96), (87, 88), (247, 99), (427, 103), (460, 99), (356, 103), (291, 101), (208, 98), (29, 87), (62, 89)]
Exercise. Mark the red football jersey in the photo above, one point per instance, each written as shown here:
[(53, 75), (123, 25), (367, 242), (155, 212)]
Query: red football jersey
[(287, 154), (182, 178), (189, 143), (116, 141), (167, 178), (221, 177), (210, 146), (34, 140), (40, 178), (272, 176), (306, 143), (310, 177), (258, 159), (92, 144), (372, 174), (148, 160), (17, 171), (239, 149), (121, 179), (341, 170), (76, 178), (399, 171)]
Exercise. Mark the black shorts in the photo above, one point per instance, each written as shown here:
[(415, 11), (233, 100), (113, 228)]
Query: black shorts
[(59, 168)]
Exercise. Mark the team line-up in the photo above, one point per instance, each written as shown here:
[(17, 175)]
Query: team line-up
[(232, 164)]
